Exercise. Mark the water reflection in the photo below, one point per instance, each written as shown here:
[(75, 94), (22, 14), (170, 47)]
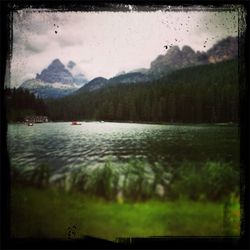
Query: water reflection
[(61, 145)]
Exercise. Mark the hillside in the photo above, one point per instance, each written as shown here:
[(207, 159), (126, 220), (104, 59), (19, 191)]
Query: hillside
[(59, 80), (55, 81), (205, 93)]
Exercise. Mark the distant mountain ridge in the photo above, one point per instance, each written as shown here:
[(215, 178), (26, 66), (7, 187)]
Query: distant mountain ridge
[(47, 90), (205, 93), (55, 81), (177, 58), (174, 59), (58, 80), (94, 84), (100, 82), (56, 72), (224, 50)]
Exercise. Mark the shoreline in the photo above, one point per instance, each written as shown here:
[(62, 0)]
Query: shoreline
[(140, 122)]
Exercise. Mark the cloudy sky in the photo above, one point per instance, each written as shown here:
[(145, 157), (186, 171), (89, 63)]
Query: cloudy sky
[(106, 43)]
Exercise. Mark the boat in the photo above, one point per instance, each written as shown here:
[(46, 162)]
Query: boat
[(30, 124), (75, 123)]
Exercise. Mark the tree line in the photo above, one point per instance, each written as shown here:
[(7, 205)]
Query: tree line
[(20, 103), (206, 93)]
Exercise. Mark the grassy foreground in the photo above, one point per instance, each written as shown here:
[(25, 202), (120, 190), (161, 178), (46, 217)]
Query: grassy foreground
[(51, 213)]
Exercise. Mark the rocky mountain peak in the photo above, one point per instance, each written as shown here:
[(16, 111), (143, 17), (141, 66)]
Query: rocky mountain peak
[(56, 72), (56, 63), (187, 50), (176, 59), (94, 84), (225, 49), (173, 50), (71, 64)]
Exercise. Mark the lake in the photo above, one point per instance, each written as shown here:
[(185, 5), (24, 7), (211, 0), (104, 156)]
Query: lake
[(62, 145)]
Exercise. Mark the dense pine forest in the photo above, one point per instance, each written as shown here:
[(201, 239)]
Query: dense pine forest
[(20, 103), (207, 93)]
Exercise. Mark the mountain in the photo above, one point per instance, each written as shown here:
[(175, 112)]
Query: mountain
[(141, 70), (174, 59), (129, 78), (101, 82), (80, 79), (71, 64), (120, 73), (56, 80), (198, 94), (56, 72), (94, 84), (177, 58), (224, 50), (47, 90)]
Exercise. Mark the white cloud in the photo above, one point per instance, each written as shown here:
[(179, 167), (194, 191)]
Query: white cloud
[(104, 43), (36, 43)]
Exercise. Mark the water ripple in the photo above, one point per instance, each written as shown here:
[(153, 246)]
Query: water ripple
[(61, 145)]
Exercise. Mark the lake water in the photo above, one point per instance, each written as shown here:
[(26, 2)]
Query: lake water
[(62, 145)]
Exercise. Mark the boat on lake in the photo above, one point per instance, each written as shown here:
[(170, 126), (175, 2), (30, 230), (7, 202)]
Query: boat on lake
[(75, 123), (30, 124)]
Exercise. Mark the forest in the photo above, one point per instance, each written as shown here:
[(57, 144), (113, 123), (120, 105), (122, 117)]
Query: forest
[(207, 93), (20, 103), (200, 94)]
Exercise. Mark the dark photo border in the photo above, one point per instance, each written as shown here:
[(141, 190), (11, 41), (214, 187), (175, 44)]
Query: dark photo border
[(242, 242)]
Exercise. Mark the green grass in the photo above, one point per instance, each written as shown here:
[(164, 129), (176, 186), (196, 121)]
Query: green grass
[(48, 212), (138, 180)]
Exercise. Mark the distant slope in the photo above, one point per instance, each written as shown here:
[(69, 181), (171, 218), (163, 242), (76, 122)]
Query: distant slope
[(205, 93), (127, 78), (20, 103), (176, 58), (58, 80), (94, 84), (55, 81), (47, 90), (56, 72)]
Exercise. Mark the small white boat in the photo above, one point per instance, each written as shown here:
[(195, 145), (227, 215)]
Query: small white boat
[(30, 124), (75, 123)]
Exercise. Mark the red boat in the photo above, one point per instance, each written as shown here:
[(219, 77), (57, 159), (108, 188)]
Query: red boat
[(75, 123)]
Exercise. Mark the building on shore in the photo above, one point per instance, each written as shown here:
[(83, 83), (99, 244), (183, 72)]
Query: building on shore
[(36, 119)]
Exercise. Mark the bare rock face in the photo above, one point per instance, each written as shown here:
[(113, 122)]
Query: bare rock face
[(177, 58), (56, 72), (71, 64), (56, 80), (133, 77), (189, 57), (174, 59), (94, 84), (224, 50)]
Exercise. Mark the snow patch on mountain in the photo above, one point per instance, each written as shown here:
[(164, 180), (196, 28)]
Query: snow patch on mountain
[(48, 90)]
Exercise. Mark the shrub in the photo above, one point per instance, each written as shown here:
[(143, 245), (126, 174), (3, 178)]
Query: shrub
[(138, 180), (220, 179), (231, 215), (213, 180)]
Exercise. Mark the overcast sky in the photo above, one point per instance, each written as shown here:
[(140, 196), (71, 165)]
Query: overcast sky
[(106, 43)]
